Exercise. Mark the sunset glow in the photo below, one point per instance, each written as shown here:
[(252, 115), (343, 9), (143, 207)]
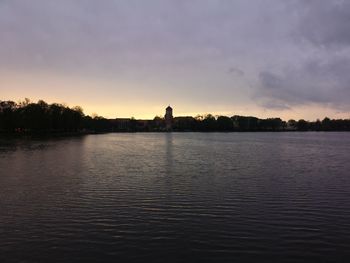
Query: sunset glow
[(120, 59)]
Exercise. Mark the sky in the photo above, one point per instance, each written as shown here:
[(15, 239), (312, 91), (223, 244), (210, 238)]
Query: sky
[(266, 58)]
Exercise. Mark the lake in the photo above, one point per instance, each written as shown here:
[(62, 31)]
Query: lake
[(176, 197)]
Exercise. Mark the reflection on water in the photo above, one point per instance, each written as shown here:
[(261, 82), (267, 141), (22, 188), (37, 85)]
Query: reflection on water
[(175, 197), (169, 165)]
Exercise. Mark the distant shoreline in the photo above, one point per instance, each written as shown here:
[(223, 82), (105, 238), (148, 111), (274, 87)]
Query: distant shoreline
[(28, 118), (77, 134)]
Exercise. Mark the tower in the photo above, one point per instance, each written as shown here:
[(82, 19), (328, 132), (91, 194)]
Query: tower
[(168, 118)]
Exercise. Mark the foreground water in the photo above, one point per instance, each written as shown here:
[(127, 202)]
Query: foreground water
[(176, 197)]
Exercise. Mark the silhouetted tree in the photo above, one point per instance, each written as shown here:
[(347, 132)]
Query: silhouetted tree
[(326, 124), (292, 125), (209, 123), (224, 123), (302, 125), (185, 124), (7, 115)]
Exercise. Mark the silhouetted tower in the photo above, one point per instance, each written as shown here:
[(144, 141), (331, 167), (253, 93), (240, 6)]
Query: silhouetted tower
[(168, 118)]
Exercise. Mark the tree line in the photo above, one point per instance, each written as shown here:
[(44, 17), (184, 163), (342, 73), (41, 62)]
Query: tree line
[(244, 123), (27, 116)]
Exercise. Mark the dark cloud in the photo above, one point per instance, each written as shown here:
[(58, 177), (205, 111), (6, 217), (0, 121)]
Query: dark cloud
[(325, 23), (318, 81), (320, 72)]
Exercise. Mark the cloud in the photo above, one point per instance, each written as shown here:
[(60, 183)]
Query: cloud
[(236, 71), (325, 23), (289, 53), (318, 81), (319, 73), (114, 35)]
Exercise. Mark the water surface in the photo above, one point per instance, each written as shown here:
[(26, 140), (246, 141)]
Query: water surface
[(176, 197)]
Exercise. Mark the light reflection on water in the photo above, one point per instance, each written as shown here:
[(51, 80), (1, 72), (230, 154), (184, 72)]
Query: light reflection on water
[(175, 197)]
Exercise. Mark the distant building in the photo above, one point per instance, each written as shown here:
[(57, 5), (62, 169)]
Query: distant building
[(121, 124), (143, 125), (168, 118), (157, 124)]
